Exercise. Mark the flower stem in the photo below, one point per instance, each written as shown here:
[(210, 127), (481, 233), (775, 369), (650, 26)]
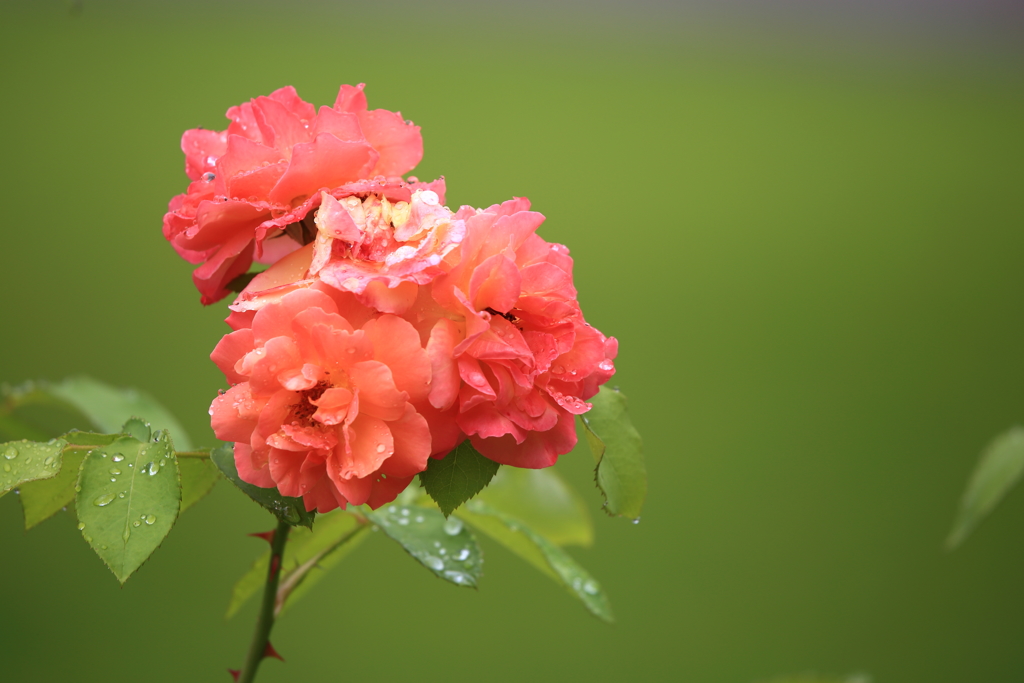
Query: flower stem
[(265, 621)]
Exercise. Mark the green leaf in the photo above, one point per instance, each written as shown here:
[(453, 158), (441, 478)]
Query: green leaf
[(541, 500), (25, 461), (289, 510), (620, 473), (335, 535), (198, 475), (541, 553), (444, 547), (128, 500), (457, 477), (104, 406), (42, 499), (137, 428), (14, 428), (999, 469)]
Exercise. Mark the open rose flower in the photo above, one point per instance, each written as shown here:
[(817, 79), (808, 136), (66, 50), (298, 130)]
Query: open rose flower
[(255, 183), (378, 250), (322, 402), (513, 359)]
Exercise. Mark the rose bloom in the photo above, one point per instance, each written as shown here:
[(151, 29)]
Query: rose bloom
[(513, 360), (255, 183), (323, 400)]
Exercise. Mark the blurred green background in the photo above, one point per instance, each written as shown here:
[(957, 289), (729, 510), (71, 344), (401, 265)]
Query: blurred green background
[(806, 236)]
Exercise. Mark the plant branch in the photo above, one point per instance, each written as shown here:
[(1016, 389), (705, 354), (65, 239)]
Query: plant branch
[(265, 620)]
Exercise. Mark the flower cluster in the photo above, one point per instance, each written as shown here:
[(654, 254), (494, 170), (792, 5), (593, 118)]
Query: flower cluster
[(387, 329)]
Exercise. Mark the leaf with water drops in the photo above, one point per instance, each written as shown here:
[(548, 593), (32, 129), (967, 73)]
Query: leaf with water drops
[(25, 461), (621, 474), (137, 428), (305, 553), (541, 553), (457, 477), (1000, 468), (41, 499), (289, 510), (542, 501), (198, 475), (445, 547), (105, 407), (128, 500)]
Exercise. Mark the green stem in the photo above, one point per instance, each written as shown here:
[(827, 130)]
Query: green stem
[(265, 621)]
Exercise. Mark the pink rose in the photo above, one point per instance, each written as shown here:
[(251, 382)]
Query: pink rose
[(513, 361), (256, 182), (322, 403)]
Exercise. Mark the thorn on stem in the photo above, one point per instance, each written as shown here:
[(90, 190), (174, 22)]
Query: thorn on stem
[(235, 673), (275, 562), (267, 536), (269, 651)]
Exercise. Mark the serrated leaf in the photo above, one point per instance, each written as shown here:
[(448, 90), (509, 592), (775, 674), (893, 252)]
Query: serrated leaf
[(999, 469), (620, 474), (40, 500), (542, 501), (332, 533), (25, 461), (289, 510), (128, 500), (541, 553), (104, 406), (137, 428), (457, 477), (198, 476), (445, 547)]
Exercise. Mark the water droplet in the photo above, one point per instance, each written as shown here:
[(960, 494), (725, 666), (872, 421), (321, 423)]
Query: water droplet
[(10, 452), (104, 500), (88, 539), (78, 488), (49, 460), (136, 524), (590, 588), (404, 521), (7, 467), (435, 563), (150, 519), (405, 512), (463, 555), (103, 547), (636, 521), (127, 534), (381, 447), (606, 365), (115, 471), (81, 525), (452, 526), (460, 578), (121, 495), (152, 468), (418, 519), (117, 457)]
